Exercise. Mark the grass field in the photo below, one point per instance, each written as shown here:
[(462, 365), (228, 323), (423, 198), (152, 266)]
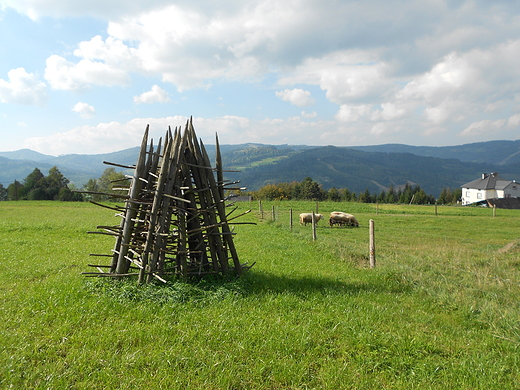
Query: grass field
[(440, 311)]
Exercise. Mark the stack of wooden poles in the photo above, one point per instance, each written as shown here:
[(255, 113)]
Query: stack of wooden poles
[(175, 219)]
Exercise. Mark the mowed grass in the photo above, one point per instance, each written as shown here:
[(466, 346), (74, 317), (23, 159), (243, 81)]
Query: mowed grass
[(440, 311)]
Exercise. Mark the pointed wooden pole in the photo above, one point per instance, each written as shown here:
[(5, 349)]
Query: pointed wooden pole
[(131, 209)]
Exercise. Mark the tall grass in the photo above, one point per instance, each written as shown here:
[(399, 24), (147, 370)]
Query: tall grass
[(439, 311)]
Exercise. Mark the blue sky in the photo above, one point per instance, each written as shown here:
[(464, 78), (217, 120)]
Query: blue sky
[(87, 76)]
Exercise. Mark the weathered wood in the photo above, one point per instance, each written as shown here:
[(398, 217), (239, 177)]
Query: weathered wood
[(115, 208), (131, 212), (314, 225), (372, 244), (175, 215), (103, 193), (154, 216), (119, 165)]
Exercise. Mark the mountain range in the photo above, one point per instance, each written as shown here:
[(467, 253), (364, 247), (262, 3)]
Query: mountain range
[(356, 168)]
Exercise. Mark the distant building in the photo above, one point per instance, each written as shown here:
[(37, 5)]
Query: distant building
[(489, 186)]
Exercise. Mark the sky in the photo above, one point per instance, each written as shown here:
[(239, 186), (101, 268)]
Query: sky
[(88, 76)]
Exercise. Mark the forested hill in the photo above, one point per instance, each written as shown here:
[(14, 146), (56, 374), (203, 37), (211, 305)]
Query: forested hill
[(358, 170), (494, 152), (339, 167)]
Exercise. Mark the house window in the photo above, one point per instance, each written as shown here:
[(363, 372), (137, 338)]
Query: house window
[(468, 194), (479, 196)]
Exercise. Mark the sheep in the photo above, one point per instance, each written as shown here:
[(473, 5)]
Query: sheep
[(341, 218), (306, 218)]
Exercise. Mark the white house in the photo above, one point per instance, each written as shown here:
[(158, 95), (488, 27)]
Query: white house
[(489, 186)]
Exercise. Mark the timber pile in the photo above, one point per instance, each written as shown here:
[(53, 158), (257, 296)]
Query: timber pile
[(174, 221)]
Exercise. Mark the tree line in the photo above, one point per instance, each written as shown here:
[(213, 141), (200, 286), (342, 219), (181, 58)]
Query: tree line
[(37, 186), (55, 186), (308, 189)]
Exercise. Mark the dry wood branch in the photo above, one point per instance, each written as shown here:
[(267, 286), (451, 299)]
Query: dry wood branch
[(119, 165)]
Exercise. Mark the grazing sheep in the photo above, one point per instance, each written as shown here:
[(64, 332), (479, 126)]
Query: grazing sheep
[(342, 219), (306, 218)]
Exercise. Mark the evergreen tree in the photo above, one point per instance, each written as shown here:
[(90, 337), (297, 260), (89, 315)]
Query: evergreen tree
[(445, 196), (406, 194), (346, 195), (364, 197), (3, 192), (391, 195), (54, 182), (33, 186), (334, 195), (381, 198), (13, 190)]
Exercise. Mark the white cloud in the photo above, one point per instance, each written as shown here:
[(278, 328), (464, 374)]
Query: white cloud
[(347, 76), (309, 114), (63, 74), (108, 137), (399, 69), (84, 110), (433, 131), (155, 95), (36, 9), (514, 121), (483, 127), (22, 88), (389, 111), (297, 97), (352, 113)]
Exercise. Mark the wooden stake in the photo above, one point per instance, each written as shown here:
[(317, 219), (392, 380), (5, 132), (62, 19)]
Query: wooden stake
[(313, 226), (372, 245)]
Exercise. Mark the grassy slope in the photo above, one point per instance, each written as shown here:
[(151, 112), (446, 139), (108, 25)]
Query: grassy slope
[(440, 311)]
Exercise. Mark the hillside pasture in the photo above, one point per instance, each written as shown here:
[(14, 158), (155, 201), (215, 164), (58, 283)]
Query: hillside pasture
[(440, 310)]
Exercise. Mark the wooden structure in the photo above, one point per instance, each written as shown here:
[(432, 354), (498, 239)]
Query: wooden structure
[(174, 221)]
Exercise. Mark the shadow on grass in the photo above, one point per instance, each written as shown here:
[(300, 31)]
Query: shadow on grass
[(212, 289), (261, 283)]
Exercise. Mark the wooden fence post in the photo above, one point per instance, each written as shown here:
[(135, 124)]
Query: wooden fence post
[(435, 210), (313, 226), (272, 213), (317, 207), (372, 244), (290, 218)]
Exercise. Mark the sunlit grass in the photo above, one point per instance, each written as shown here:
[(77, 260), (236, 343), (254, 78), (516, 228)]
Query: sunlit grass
[(440, 310)]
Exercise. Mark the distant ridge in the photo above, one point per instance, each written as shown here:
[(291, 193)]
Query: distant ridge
[(357, 168), (494, 152), (26, 154)]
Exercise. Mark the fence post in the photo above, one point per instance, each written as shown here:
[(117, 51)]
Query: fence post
[(435, 210), (313, 226), (494, 210), (290, 218), (372, 244)]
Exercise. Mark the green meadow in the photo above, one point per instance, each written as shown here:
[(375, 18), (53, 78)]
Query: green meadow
[(439, 311)]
